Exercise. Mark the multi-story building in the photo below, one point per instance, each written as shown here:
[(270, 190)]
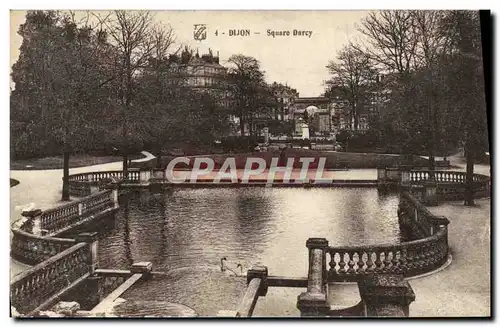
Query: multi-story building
[(201, 73), (205, 73)]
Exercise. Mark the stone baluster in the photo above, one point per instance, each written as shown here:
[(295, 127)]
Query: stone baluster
[(402, 264), (350, 263), (369, 262), (342, 263), (387, 261), (333, 264), (386, 295), (378, 262)]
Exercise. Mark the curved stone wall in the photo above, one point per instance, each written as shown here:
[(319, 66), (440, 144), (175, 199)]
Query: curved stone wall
[(408, 258)]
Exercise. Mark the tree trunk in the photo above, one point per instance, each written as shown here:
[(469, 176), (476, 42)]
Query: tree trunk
[(158, 159), (125, 166), (469, 178), (432, 159), (242, 127), (65, 189), (242, 123), (355, 118)]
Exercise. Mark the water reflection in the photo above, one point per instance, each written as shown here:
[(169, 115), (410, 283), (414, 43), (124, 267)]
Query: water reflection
[(186, 232)]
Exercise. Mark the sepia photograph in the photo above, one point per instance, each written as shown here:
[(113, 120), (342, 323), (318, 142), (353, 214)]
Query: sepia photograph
[(250, 163)]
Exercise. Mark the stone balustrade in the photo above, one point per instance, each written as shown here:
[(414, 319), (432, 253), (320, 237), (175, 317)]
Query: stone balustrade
[(84, 184), (408, 258), (32, 249), (40, 286), (59, 219), (35, 238)]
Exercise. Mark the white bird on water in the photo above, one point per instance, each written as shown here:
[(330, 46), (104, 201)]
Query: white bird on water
[(226, 268)]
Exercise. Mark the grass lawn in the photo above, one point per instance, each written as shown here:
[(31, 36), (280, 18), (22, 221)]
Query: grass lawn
[(57, 162)]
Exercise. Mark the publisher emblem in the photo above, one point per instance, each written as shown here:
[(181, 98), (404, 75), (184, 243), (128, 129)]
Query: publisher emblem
[(200, 32)]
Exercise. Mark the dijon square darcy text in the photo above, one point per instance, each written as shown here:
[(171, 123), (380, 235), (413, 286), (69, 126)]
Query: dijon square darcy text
[(269, 33), (293, 32)]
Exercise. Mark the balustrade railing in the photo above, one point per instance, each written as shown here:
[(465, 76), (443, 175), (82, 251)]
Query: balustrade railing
[(96, 176), (96, 203), (35, 288), (445, 176), (54, 220), (407, 258), (33, 249)]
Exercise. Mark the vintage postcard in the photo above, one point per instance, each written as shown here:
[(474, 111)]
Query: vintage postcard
[(250, 163)]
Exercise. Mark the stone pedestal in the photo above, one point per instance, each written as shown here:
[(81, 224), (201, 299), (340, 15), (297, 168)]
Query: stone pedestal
[(90, 238), (318, 243), (259, 272), (114, 187), (144, 176), (386, 295), (34, 217), (381, 177), (145, 268), (405, 179), (313, 304), (430, 193)]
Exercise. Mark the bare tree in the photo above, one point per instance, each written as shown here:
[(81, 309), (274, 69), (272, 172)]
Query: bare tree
[(353, 75), (247, 80), (407, 42), (428, 52), (391, 39), (132, 36)]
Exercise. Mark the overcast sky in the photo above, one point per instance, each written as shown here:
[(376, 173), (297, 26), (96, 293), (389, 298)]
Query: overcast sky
[(297, 60)]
